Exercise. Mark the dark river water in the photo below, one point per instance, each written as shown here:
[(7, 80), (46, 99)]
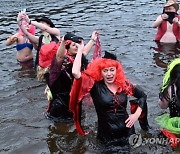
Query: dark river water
[(125, 29)]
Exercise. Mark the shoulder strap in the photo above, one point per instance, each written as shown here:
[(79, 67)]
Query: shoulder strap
[(40, 42), (38, 48)]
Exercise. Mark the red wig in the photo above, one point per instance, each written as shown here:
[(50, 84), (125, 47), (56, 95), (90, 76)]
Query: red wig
[(91, 75), (96, 66)]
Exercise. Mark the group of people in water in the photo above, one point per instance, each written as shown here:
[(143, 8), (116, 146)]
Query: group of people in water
[(61, 62)]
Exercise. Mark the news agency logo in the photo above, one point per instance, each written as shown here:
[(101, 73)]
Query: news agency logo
[(136, 140)]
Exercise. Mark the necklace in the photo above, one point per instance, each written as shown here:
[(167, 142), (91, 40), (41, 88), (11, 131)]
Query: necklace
[(46, 38)]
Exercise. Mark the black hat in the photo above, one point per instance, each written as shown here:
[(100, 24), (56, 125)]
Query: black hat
[(110, 55), (46, 20), (73, 37)]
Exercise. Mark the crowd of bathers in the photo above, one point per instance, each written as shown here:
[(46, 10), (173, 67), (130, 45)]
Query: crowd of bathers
[(61, 63)]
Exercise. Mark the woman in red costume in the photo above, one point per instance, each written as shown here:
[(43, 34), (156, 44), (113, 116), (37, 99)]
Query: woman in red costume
[(60, 76), (104, 78), (168, 24)]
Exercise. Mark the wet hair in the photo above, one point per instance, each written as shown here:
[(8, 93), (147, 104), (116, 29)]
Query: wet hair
[(175, 79), (95, 67)]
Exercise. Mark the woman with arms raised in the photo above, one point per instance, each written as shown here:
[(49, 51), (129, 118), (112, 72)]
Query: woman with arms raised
[(61, 78), (24, 47)]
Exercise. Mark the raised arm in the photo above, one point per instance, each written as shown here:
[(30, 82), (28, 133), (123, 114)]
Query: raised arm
[(61, 51), (159, 20), (89, 45), (43, 27), (33, 39), (176, 20), (76, 69)]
